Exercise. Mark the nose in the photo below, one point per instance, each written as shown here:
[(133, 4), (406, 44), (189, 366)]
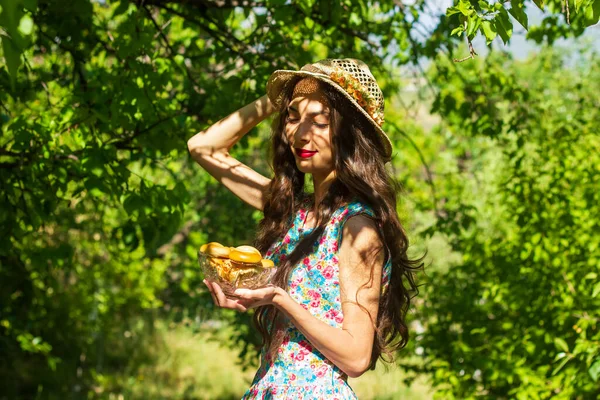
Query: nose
[(302, 134)]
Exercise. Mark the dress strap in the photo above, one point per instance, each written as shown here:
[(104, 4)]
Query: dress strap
[(343, 214)]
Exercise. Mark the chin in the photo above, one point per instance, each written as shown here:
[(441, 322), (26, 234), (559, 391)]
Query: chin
[(305, 167)]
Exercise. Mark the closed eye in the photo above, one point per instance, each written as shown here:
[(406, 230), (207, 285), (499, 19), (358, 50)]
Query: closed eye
[(294, 120)]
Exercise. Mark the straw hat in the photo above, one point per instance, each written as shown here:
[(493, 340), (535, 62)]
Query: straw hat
[(349, 76)]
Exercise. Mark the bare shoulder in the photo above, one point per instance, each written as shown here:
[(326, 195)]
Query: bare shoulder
[(361, 234), (361, 243)]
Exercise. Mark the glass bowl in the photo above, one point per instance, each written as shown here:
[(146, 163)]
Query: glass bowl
[(254, 276)]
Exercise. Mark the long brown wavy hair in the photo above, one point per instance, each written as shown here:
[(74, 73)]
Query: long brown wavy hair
[(360, 172)]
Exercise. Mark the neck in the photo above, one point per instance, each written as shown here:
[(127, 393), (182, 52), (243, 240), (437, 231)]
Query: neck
[(321, 185)]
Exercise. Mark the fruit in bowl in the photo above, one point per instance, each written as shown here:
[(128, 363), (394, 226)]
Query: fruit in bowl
[(234, 267)]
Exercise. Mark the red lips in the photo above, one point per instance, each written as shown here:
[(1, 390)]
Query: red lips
[(305, 153)]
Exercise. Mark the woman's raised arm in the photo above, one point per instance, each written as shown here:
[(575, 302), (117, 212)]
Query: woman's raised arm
[(210, 148)]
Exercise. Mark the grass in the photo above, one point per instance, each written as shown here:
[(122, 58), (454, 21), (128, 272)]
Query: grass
[(383, 385), (188, 365)]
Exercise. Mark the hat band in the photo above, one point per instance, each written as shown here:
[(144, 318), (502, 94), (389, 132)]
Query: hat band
[(352, 86)]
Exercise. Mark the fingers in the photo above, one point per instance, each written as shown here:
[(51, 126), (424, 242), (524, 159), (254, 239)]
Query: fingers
[(244, 294), (210, 290), (255, 294), (226, 302), (241, 299), (252, 298), (221, 300)]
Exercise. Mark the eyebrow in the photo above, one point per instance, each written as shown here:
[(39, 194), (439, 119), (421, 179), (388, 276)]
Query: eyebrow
[(323, 112)]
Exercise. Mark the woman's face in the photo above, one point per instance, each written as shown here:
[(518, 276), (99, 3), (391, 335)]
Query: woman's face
[(307, 129)]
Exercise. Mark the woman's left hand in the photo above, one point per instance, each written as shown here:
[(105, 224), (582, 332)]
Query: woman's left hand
[(244, 299)]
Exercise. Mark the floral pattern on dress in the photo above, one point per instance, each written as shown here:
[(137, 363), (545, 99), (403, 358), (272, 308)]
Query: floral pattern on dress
[(300, 371)]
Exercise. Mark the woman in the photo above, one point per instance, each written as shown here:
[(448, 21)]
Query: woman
[(343, 282)]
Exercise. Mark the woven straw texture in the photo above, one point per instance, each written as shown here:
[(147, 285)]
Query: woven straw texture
[(349, 76)]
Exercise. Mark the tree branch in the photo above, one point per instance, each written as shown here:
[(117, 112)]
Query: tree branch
[(170, 48), (215, 34), (122, 142), (317, 17)]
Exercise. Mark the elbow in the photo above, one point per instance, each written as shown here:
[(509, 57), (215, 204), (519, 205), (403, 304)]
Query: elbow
[(197, 144), (358, 367), (198, 150), (192, 144)]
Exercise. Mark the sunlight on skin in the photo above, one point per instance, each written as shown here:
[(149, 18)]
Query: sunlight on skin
[(307, 127)]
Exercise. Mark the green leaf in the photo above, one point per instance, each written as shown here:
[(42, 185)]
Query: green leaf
[(489, 30), (121, 8), (306, 6), (592, 13), (504, 25), (561, 365), (12, 54), (594, 370), (596, 290), (18, 26), (133, 203), (561, 344), (309, 22), (560, 355), (26, 25), (452, 10), (457, 31), (52, 361), (96, 186), (580, 3), (473, 24), (129, 236), (539, 3), (517, 10), (465, 7)]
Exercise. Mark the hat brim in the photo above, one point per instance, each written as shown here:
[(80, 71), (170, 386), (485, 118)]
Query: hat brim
[(280, 78)]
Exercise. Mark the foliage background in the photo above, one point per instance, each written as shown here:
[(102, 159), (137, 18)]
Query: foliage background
[(102, 209)]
